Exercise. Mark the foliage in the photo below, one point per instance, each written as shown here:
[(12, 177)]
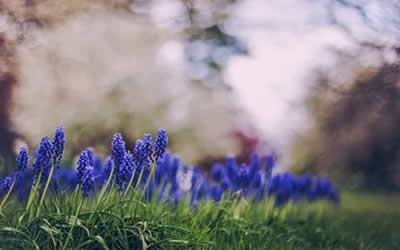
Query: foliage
[(142, 200)]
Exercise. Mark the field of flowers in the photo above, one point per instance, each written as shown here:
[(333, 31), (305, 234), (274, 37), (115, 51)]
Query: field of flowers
[(147, 198)]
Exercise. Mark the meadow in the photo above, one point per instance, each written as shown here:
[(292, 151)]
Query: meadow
[(148, 198)]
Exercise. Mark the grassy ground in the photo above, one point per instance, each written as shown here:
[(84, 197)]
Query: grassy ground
[(363, 221)]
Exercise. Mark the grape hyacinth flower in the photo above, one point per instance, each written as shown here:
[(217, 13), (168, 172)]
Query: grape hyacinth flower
[(82, 164), (120, 176), (161, 144), (255, 165), (90, 153), (216, 193), (257, 182), (171, 178), (22, 164), (203, 190), (174, 192), (118, 157), (22, 159), (118, 149), (137, 150), (126, 170), (65, 180), (149, 191), (333, 195), (225, 184), (58, 146), (258, 185), (87, 181), (233, 172), (98, 163), (146, 155), (6, 184), (107, 169), (137, 156), (176, 162), (285, 189), (42, 162), (162, 168), (244, 178), (217, 172), (195, 176), (270, 163), (108, 164), (147, 147)]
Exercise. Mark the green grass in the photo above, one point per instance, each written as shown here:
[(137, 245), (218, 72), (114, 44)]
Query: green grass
[(363, 221)]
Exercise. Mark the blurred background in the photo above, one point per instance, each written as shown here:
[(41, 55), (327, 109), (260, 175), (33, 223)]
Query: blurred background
[(317, 82)]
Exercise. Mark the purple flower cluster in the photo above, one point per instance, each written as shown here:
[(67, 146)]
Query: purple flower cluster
[(87, 181), (58, 146), (42, 162), (161, 144), (22, 160), (151, 167)]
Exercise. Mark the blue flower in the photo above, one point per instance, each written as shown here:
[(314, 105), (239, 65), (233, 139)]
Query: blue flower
[(147, 150), (149, 191), (216, 193), (82, 165), (65, 179), (173, 170), (333, 195), (22, 159), (6, 184), (225, 184), (196, 175), (193, 200), (138, 156), (171, 178), (233, 172), (122, 174), (161, 144), (87, 181), (255, 165), (118, 150), (162, 168), (137, 151), (58, 146), (42, 162), (217, 172), (257, 182), (244, 177), (270, 163), (90, 153), (126, 170), (285, 189), (98, 163), (203, 190), (108, 165), (274, 184)]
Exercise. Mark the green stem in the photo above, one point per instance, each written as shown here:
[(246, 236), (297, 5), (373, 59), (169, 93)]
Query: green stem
[(45, 190), (33, 191), (73, 224), (153, 167), (102, 192), (129, 183), (32, 194), (7, 195)]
